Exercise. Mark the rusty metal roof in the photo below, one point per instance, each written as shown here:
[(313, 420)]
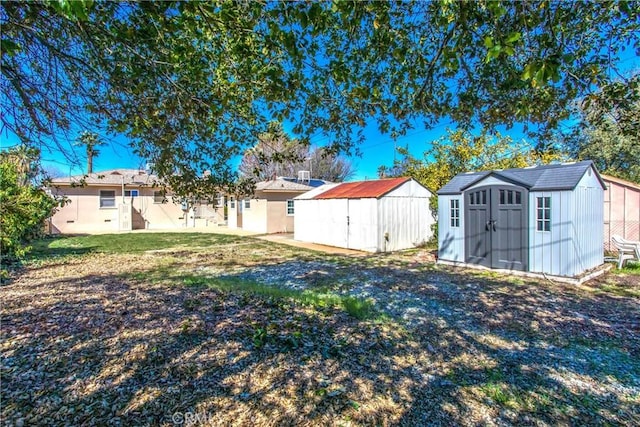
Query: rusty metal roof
[(362, 189)]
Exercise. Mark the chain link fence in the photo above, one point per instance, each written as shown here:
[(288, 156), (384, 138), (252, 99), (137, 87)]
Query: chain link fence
[(629, 230)]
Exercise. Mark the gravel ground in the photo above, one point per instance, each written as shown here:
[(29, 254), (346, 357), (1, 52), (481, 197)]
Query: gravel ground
[(128, 339), (409, 306)]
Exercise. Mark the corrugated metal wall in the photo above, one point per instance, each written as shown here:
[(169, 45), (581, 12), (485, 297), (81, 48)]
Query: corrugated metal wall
[(321, 221), (450, 239), (303, 219), (363, 230), (405, 220)]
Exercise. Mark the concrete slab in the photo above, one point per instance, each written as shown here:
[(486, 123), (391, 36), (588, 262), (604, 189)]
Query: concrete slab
[(287, 239), (598, 271), (213, 229)]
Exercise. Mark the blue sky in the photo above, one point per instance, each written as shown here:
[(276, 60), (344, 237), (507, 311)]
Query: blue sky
[(378, 149)]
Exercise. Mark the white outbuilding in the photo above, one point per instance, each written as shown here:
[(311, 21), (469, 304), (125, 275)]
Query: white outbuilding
[(373, 216), (545, 219)]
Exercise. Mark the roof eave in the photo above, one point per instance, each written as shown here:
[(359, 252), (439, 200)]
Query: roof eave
[(499, 175)]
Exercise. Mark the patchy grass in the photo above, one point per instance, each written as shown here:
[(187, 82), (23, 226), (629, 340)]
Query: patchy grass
[(126, 243), (357, 307), (630, 267), (148, 329)]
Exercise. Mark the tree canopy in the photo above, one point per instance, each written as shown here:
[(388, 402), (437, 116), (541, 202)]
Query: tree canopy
[(277, 154), (609, 133), (461, 151), (191, 84)]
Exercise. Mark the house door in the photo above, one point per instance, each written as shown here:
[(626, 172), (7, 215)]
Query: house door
[(496, 232)]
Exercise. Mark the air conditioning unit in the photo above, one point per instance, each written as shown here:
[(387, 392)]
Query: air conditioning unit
[(304, 176)]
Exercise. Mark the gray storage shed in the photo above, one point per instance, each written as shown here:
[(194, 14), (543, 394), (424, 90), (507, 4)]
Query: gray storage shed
[(543, 219)]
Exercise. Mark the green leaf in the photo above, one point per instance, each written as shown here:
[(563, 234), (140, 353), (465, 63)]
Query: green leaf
[(529, 71), (488, 42), (514, 37), (9, 47)]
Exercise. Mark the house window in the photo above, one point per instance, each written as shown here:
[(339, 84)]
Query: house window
[(130, 193), (158, 197), (232, 203), (455, 213), (107, 199), (289, 207), (247, 203), (543, 214)]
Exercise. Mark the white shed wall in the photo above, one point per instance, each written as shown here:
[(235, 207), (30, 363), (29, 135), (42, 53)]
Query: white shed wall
[(321, 221), (364, 226), (405, 220), (589, 214), (552, 252), (450, 239), (575, 243), (303, 219)]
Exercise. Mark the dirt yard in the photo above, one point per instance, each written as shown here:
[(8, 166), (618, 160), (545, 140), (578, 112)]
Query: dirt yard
[(183, 334)]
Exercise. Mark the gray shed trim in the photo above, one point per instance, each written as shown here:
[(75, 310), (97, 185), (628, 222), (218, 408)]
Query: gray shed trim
[(555, 177)]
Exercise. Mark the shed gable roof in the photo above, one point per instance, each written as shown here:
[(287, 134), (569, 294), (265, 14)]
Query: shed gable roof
[(362, 189), (555, 177)]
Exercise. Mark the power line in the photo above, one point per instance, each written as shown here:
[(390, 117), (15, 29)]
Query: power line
[(407, 136)]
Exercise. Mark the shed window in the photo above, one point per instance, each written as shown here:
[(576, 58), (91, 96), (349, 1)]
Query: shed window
[(510, 197), (478, 198), (455, 213), (289, 207), (247, 203), (543, 214), (232, 203), (130, 193), (107, 199)]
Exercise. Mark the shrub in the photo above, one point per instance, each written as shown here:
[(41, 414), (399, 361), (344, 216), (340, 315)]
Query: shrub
[(23, 209)]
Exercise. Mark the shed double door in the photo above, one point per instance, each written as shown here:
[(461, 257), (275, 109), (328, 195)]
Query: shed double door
[(496, 227)]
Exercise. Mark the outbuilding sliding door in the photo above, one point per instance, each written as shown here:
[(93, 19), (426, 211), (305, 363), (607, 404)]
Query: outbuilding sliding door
[(496, 227)]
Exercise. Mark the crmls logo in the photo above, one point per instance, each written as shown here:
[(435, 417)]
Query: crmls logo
[(191, 418)]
